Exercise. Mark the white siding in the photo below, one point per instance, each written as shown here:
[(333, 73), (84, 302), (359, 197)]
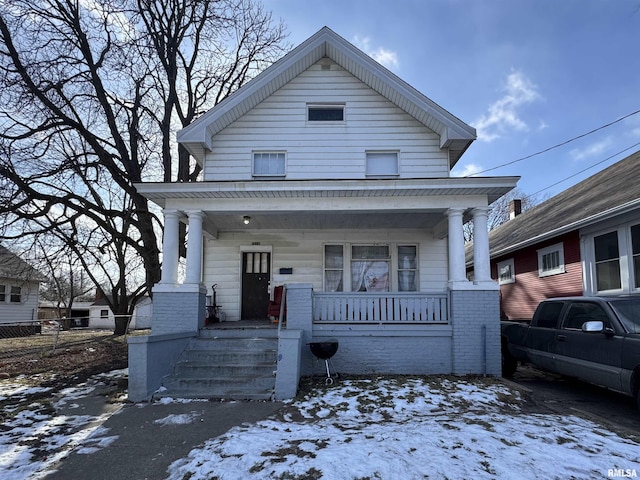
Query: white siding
[(303, 252), (26, 310), (326, 151)]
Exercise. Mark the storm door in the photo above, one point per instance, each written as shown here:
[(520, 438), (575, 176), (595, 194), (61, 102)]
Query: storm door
[(256, 269)]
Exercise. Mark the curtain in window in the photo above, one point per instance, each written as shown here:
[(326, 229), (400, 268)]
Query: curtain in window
[(370, 268)]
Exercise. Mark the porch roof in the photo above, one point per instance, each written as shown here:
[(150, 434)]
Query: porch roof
[(312, 204)]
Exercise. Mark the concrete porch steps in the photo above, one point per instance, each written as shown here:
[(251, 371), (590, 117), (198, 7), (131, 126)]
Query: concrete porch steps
[(233, 364)]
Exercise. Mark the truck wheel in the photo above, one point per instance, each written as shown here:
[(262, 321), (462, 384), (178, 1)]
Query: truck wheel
[(509, 365)]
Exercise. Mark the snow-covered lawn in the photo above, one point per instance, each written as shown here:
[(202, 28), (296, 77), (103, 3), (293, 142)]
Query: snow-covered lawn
[(412, 428), (387, 428), (34, 432)]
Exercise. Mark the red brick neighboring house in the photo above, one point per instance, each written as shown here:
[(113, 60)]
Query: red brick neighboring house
[(583, 241)]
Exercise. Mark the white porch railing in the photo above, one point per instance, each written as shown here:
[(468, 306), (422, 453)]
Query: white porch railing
[(387, 307)]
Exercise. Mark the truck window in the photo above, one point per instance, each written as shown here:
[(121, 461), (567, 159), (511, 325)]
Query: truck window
[(582, 312), (548, 313)]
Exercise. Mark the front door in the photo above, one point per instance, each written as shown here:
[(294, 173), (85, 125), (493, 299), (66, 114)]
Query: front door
[(256, 269)]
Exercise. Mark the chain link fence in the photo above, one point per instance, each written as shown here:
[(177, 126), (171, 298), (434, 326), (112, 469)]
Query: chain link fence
[(44, 337)]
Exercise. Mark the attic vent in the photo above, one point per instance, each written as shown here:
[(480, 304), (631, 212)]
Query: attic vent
[(325, 67)]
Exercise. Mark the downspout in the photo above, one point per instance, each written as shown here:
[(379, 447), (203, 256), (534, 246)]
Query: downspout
[(483, 329)]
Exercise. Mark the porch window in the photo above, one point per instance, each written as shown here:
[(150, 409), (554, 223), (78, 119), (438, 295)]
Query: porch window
[(269, 164), (551, 260), (506, 272), (16, 295), (325, 113), (607, 261), (333, 268), (382, 163), (635, 246), (3, 293), (370, 268), (407, 268)]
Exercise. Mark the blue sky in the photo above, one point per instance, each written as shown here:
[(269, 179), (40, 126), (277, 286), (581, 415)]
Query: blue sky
[(527, 74)]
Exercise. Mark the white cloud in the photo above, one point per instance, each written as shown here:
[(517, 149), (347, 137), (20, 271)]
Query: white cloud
[(386, 57), (504, 114), (469, 170), (594, 150)]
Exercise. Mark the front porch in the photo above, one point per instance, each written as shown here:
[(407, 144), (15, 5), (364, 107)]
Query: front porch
[(424, 333)]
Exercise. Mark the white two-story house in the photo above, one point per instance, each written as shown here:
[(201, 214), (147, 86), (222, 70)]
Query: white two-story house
[(330, 175)]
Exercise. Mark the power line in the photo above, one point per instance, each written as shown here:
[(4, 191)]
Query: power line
[(557, 146), (584, 170)]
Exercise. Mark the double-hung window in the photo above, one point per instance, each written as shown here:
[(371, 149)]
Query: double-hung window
[(333, 268), (382, 164), (16, 294), (635, 252), (551, 260), (269, 164), (3, 293), (407, 268), (607, 256)]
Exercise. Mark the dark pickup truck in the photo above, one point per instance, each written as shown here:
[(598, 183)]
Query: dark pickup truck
[(595, 339)]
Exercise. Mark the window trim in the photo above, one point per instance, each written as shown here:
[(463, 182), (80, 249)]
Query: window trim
[(268, 152), (508, 262), (381, 152), (326, 106), (558, 247)]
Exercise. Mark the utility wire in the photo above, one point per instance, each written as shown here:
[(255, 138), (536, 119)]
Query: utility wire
[(584, 170), (557, 146)]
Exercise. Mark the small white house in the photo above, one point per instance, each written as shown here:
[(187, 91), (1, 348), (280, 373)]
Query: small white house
[(19, 286), (329, 174), (101, 316)]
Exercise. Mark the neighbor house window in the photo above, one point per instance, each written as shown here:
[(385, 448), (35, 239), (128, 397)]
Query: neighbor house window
[(407, 268), (607, 261), (16, 295), (370, 268), (551, 260), (325, 113), (635, 248), (506, 272), (3, 293), (333, 268), (269, 164), (104, 313), (382, 163)]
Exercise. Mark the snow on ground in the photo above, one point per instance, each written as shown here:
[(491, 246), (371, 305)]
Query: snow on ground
[(34, 435), (412, 429), (389, 428)]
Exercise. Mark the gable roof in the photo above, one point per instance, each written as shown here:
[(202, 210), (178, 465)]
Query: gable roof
[(612, 191), (454, 133), (13, 267)]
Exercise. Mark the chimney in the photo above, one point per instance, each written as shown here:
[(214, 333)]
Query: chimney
[(515, 208)]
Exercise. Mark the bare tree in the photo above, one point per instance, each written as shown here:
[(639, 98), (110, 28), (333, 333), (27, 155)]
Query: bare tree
[(499, 212), (91, 94)]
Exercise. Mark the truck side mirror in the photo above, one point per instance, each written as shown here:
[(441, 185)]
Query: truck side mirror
[(593, 327)]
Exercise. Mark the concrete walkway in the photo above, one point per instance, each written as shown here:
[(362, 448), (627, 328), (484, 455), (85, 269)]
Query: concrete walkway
[(147, 438)]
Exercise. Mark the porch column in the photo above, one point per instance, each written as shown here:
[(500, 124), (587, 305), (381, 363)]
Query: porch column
[(194, 247), (456, 247), (170, 247), (481, 268)]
